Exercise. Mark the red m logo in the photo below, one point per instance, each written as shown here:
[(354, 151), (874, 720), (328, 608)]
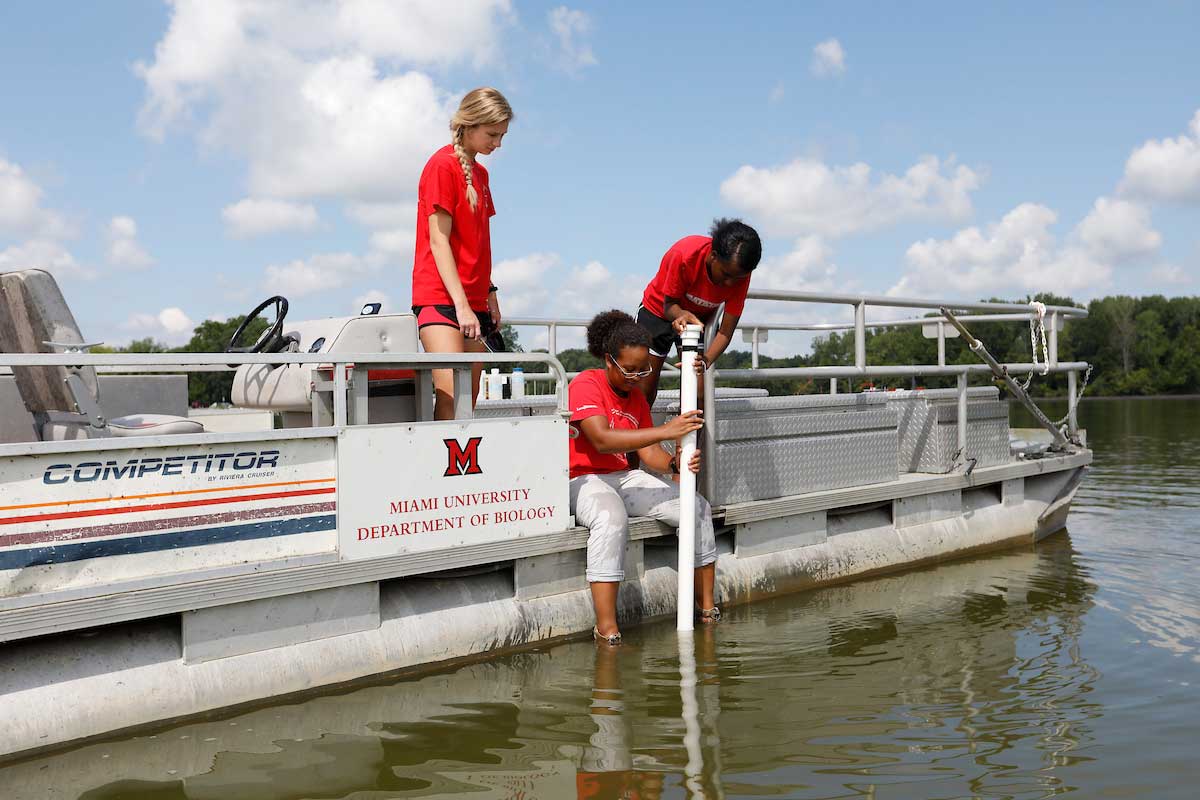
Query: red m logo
[(463, 460)]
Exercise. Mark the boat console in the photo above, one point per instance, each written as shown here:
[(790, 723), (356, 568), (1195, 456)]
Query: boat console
[(291, 389)]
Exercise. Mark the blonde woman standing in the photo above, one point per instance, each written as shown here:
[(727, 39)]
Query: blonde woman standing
[(453, 296)]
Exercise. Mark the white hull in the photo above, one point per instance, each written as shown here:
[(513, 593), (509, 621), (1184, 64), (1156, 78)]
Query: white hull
[(135, 674)]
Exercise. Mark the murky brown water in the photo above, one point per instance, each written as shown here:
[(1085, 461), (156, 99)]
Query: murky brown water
[(1070, 666)]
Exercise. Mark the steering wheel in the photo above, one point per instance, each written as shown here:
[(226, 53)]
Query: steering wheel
[(271, 340)]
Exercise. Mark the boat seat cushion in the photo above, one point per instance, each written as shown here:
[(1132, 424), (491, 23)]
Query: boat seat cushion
[(73, 427), (152, 425)]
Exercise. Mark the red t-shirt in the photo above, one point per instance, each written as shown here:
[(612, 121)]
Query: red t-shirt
[(444, 186), (682, 275), (591, 395)]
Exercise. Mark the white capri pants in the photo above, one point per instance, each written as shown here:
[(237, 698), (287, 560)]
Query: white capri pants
[(604, 503)]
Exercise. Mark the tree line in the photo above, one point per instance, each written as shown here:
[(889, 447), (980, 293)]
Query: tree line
[(1137, 345)]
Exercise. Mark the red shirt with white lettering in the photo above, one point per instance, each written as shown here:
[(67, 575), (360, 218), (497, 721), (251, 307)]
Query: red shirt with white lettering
[(683, 275), (591, 395), (443, 186)]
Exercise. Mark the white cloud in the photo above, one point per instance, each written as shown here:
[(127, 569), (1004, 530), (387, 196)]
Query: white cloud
[(238, 291), (320, 273), (393, 230), (1118, 230), (312, 95), (809, 197), (21, 210), (392, 247), (255, 216), (377, 296), (124, 250), (1168, 169), (427, 32), (383, 215), (579, 293), (828, 59), (171, 325), (805, 268), (778, 91), (1170, 274), (538, 285), (524, 284), (1018, 254), (43, 254), (570, 27), (592, 287)]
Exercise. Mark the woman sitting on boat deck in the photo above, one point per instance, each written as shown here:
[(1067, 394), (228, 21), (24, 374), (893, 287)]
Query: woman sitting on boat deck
[(612, 419)]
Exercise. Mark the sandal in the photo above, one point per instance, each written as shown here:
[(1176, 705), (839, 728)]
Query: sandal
[(709, 614), (612, 640)]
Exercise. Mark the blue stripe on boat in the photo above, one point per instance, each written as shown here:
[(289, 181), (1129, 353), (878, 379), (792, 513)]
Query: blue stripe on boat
[(60, 554)]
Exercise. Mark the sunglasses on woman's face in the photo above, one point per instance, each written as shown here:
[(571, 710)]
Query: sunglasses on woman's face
[(630, 376)]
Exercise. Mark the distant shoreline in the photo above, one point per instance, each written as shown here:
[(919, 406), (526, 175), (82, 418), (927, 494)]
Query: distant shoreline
[(1115, 397)]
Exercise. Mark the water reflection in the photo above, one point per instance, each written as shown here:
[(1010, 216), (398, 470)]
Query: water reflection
[(1136, 517), (962, 679)]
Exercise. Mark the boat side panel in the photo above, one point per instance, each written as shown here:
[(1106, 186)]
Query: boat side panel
[(70, 520), (428, 487), (424, 621)]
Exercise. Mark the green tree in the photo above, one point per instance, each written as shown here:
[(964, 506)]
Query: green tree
[(1120, 316), (512, 342), (147, 345), (1150, 341), (1182, 372), (577, 359), (212, 336)]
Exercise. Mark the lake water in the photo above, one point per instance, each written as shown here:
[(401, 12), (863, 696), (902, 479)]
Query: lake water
[(1070, 666)]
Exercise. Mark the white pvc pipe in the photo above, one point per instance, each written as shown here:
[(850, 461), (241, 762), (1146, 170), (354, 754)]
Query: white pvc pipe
[(694, 767), (687, 480)]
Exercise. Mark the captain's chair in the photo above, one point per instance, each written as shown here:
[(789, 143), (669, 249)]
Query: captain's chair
[(64, 402)]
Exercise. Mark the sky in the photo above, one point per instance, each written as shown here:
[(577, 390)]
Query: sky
[(171, 162)]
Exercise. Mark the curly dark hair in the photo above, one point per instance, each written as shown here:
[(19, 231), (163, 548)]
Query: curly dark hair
[(609, 331), (736, 242)]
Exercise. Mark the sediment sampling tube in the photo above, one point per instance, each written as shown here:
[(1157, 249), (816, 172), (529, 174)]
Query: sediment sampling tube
[(687, 479)]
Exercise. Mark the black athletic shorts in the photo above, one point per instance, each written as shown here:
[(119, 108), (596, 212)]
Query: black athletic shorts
[(662, 335), (446, 315)]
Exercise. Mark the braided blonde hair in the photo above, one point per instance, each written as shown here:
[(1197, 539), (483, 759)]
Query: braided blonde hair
[(482, 106)]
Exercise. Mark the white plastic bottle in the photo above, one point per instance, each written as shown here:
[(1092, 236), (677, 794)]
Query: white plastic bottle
[(495, 384), (517, 382)]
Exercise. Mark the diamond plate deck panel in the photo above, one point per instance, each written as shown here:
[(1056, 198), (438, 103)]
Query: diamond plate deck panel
[(976, 410), (928, 435), (744, 427), (815, 403), (761, 469), (530, 406), (668, 399)]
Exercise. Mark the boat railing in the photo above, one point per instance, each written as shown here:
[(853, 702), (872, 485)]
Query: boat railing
[(1053, 317), (346, 387)]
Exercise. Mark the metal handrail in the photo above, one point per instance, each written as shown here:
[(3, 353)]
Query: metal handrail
[(992, 312), (1003, 312), (888, 301), (419, 361)]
